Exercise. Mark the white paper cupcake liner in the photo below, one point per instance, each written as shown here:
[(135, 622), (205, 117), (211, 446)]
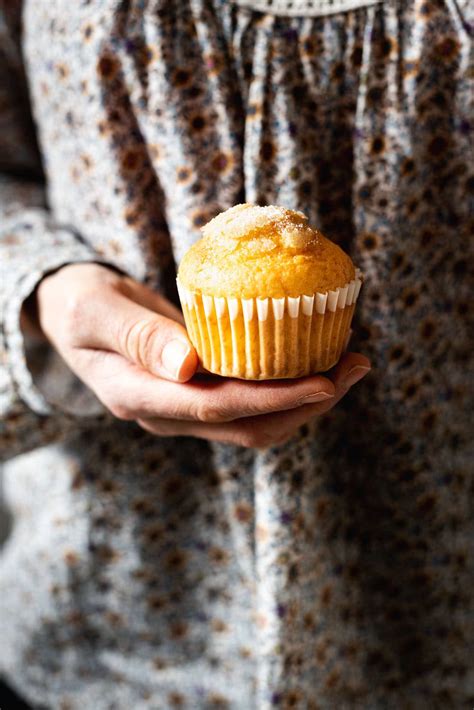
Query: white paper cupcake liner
[(262, 338)]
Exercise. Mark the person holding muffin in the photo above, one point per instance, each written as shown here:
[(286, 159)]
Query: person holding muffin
[(204, 511)]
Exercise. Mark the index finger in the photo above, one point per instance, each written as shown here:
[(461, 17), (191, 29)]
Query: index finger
[(210, 398)]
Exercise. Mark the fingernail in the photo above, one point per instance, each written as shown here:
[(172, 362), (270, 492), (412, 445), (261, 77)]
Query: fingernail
[(316, 397), (355, 374), (173, 356)]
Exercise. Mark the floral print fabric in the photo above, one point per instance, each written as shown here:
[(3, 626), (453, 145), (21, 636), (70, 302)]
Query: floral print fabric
[(333, 571)]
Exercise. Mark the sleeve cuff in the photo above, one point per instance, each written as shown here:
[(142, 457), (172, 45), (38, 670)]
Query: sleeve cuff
[(52, 387)]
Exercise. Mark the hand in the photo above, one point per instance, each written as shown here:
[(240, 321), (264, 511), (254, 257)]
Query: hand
[(130, 346)]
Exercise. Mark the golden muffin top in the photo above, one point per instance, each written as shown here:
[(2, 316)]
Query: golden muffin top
[(268, 252)]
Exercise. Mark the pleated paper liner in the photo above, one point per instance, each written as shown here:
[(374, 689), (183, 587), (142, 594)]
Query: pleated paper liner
[(269, 338)]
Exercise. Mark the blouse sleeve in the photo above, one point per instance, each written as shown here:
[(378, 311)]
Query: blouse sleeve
[(40, 399)]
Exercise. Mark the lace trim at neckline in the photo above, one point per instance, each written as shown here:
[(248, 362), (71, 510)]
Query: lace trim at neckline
[(304, 8)]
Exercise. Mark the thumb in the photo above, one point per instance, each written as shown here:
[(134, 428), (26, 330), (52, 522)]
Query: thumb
[(146, 338)]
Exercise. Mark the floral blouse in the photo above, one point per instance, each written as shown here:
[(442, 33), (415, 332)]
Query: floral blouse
[(336, 570)]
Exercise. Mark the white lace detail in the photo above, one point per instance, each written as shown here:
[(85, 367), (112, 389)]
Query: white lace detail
[(305, 8)]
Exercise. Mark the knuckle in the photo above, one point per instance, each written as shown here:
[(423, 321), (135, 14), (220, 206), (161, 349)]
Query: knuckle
[(204, 413), (77, 312), (120, 410), (137, 340), (255, 439), (211, 413), (74, 314), (156, 426)]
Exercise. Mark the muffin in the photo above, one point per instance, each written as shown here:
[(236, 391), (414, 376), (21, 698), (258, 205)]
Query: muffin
[(266, 296)]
